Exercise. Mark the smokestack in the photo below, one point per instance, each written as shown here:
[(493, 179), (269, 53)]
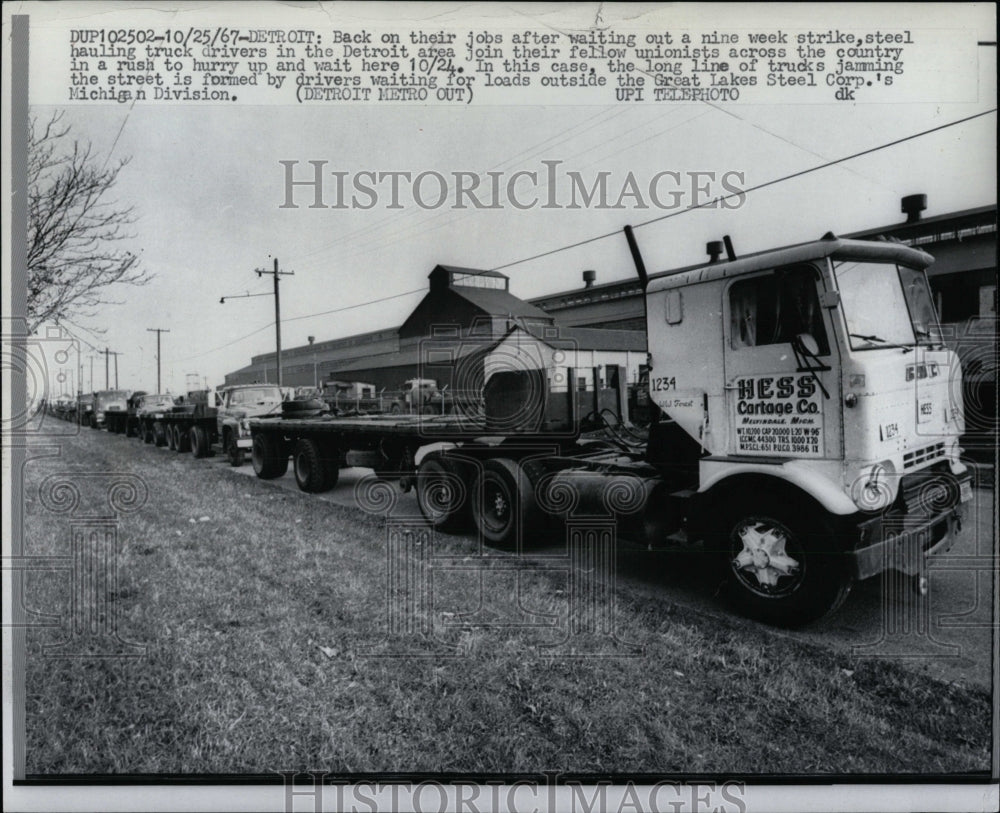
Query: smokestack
[(912, 206), (588, 278), (714, 250)]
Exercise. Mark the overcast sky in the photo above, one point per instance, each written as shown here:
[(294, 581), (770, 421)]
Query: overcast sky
[(208, 186)]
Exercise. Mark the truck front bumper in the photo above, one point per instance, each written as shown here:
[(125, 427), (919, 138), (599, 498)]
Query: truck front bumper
[(898, 540)]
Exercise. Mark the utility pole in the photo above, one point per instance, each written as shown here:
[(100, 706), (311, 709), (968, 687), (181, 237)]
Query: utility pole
[(116, 355), (91, 375), (315, 374), (277, 307), (157, 331), (107, 378)]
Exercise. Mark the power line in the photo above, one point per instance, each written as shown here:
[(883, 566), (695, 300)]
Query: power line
[(227, 344), (358, 305), (755, 188), (818, 167)]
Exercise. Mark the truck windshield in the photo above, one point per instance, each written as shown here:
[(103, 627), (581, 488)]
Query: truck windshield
[(885, 305), (255, 395)]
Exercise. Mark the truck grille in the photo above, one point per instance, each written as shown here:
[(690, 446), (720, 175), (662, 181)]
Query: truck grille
[(920, 456), (929, 492)]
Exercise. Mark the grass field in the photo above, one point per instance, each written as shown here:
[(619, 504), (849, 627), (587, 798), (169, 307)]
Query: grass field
[(264, 617)]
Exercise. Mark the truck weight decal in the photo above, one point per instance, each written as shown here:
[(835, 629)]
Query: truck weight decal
[(778, 415)]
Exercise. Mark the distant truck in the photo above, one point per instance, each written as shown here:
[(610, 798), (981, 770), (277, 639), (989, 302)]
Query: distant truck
[(123, 423), (85, 408), (346, 396), (109, 403), (208, 417), (421, 396), (149, 411)]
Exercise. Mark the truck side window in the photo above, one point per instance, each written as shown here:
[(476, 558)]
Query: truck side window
[(774, 308)]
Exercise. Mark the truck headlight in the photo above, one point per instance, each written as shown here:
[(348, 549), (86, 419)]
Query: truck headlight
[(871, 490)]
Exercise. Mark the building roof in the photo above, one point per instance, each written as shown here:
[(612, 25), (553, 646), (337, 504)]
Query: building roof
[(968, 218), (586, 338), (478, 272), (500, 303), (408, 358)]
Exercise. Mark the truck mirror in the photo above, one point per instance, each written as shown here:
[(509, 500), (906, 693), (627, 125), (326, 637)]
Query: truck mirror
[(807, 342), (829, 299)]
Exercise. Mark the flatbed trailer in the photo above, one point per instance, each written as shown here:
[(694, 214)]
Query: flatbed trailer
[(191, 428), (319, 446)]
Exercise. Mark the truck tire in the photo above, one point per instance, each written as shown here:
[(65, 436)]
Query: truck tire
[(171, 437), (233, 451), (200, 446), (146, 432), (312, 469), (442, 494), (160, 435), (268, 461), (183, 439), (503, 503), (783, 567)]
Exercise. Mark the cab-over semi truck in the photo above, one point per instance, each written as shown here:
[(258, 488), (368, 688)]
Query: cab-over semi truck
[(806, 432)]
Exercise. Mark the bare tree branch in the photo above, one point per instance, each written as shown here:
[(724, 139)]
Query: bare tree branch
[(76, 230)]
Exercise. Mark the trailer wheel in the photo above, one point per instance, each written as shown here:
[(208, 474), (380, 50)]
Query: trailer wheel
[(442, 494), (503, 502), (199, 442), (311, 469), (268, 461), (783, 568), (146, 433), (183, 439), (171, 437), (160, 435)]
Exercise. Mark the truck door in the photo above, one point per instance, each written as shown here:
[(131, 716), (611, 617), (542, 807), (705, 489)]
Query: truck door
[(782, 366)]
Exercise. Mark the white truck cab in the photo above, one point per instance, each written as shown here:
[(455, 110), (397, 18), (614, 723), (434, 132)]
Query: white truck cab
[(817, 391)]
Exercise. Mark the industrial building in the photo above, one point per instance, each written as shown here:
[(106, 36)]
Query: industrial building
[(465, 319)]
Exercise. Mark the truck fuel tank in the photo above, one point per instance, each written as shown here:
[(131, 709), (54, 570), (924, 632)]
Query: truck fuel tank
[(645, 511)]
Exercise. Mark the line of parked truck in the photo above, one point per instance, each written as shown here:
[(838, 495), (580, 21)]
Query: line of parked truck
[(805, 431)]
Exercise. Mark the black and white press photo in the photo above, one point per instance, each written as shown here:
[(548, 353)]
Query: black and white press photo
[(447, 406)]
